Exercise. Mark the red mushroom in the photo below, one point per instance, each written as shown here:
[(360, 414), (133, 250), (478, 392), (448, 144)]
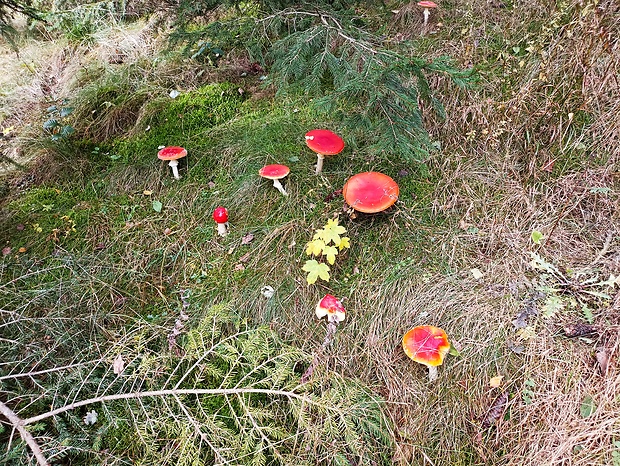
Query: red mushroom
[(331, 307), (323, 142), (427, 345), (370, 192), (220, 215), (275, 172), (173, 154), (428, 6)]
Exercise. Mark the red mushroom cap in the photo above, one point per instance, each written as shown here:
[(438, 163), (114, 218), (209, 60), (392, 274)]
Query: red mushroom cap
[(370, 192), (426, 344), (324, 142), (427, 4), (220, 215), (172, 153), (274, 172), (330, 306)]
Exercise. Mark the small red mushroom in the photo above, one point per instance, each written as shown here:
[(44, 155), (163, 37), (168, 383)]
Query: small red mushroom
[(275, 173), (427, 345), (172, 154), (427, 5), (220, 215), (331, 307), (323, 142)]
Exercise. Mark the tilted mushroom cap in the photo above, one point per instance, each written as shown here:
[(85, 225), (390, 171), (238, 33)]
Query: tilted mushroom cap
[(426, 344), (274, 172), (172, 153), (427, 4), (324, 141), (330, 306), (370, 192)]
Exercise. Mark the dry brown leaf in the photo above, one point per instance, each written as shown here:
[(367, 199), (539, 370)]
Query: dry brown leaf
[(247, 239), (245, 257), (118, 365), (496, 411), (239, 267), (602, 357)]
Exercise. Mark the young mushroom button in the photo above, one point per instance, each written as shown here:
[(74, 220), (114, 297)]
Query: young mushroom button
[(323, 142), (370, 192), (172, 154), (427, 345), (220, 215), (275, 172)]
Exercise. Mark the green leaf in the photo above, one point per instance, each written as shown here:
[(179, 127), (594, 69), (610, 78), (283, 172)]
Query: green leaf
[(157, 206), (587, 313), (552, 306), (66, 111), (537, 236), (315, 270), (587, 407)]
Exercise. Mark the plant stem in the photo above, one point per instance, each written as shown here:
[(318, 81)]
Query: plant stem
[(26, 436), (332, 324)]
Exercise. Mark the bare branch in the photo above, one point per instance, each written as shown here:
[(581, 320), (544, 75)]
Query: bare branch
[(27, 437)]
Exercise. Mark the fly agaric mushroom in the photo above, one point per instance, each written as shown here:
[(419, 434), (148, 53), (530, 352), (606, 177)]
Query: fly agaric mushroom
[(332, 308), (428, 6), (275, 172), (427, 345), (220, 215), (323, 142), (370, 192), (173, 154)]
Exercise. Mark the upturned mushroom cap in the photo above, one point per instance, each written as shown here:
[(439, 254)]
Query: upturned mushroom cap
[(332, 307), (324, 142), (274, 172), (220, 215), (427, 345), (370, 192), (427, 4), (172, 153)]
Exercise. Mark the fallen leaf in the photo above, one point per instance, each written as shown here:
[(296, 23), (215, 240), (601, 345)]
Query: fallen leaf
[(245, 257), (119, 365), (536, 237), (495, 411), (247, 239), (239, 267), (548, 166), (90, 418), (587, 407), (267, 291), (477, 274), (167, 231), (22, 249), (602, 357), (174, 94), (157, 206), (496, 381), (146, 192), (6, 251), (20, 227), (211, 185)]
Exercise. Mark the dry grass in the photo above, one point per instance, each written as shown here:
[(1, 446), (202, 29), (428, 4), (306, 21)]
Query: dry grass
[(534, 147)]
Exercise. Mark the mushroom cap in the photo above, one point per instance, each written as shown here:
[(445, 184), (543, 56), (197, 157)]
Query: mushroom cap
[(370, 192), (220, 215), (274, 172), (426, 344), (324, 142), (427, 4), (172, 153), (330, 306)]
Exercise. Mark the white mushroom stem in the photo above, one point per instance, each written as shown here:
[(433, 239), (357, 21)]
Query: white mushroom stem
[(332, 324), (175, 171), (279, 187), (426, 13), (432, 373), (319, 163), (222, 228)]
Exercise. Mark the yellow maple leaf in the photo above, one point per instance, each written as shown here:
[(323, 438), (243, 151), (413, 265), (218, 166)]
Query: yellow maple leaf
[(315, 247), (330, 253), (315, 270)]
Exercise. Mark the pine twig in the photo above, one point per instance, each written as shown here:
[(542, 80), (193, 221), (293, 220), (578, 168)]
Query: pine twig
[(27, 437)]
